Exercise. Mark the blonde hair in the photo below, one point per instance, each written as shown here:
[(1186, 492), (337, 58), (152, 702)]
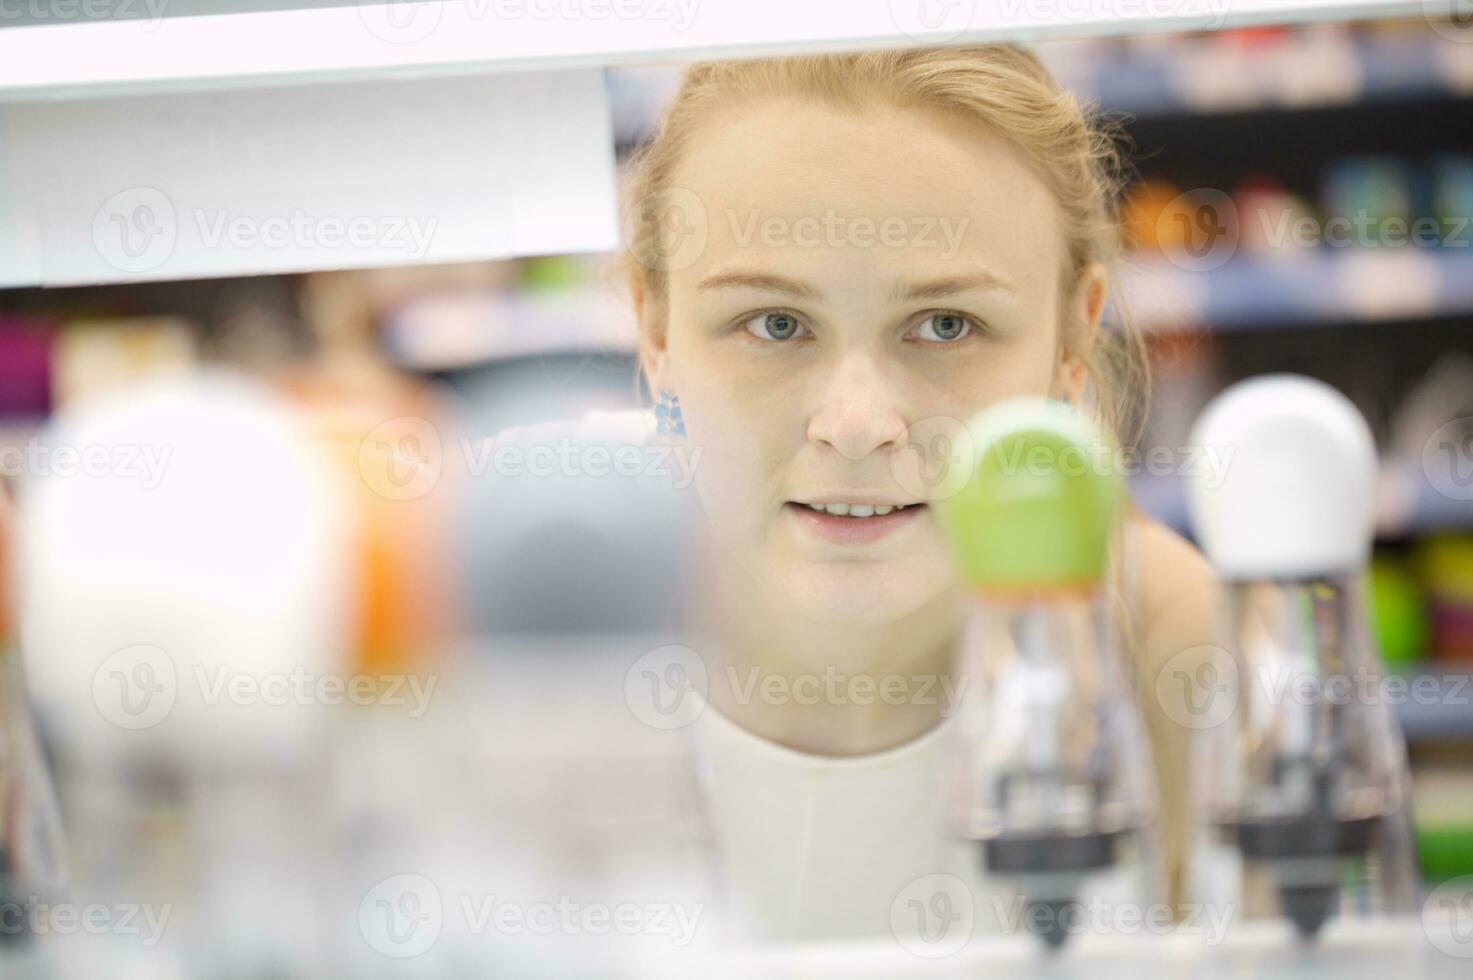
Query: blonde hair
[(1003, 88)]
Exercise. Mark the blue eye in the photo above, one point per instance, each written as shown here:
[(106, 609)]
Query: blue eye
[(774, 325), (944, 327)]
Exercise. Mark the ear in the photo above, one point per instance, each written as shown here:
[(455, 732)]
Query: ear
[(1085, 309), (649, 315)]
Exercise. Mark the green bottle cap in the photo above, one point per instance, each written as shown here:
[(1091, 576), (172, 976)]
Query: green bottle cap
[(1038, 507)]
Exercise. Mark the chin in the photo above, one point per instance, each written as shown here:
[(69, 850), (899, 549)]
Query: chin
[(875, 593)]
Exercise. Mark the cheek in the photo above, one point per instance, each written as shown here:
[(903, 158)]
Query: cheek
[(1012, 368), (739, 440)]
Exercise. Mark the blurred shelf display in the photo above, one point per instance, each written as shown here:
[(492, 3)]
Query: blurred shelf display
[(1266, 69), (1438, 701), (1303, 288)]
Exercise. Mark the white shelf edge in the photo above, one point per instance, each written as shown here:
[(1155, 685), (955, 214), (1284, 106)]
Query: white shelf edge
[(78, 60)]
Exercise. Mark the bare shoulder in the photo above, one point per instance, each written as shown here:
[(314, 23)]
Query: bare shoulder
[(1178, 590)]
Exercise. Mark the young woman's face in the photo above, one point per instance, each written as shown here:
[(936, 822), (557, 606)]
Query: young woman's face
[(866, 284)]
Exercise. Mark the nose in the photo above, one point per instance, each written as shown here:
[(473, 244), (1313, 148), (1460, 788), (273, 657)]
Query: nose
[(858, 413)]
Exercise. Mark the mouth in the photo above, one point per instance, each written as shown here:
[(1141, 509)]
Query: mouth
[(850, 523)]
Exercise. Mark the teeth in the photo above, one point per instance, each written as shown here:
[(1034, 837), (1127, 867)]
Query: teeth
[(857, 510)]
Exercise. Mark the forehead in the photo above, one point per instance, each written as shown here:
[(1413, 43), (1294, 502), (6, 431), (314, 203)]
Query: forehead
[(762, 171)]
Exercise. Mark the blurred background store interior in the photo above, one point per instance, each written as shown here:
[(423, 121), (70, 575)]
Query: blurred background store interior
[(1319, 121)]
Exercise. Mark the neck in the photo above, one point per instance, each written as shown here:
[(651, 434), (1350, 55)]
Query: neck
[(822, 688)]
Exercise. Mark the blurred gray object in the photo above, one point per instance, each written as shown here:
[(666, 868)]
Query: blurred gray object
[(565, 550)]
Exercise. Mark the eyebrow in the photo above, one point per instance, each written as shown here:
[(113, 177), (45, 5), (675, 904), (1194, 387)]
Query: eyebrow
[(930, 289), (948, 286), (754, 280)]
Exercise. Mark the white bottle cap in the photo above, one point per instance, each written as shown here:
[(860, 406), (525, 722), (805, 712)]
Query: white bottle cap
[(1292, 493)]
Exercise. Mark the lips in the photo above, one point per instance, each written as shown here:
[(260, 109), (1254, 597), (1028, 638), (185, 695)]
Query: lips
[(853, 524)]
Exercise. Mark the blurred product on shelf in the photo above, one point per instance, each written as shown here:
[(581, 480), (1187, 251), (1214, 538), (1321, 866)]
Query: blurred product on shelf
[(1376, 191), (1149, 215), (256, 328), (33, 861), (96, 356), (1268, 215), (1452, 202), (1398, 611), (25, 366), (554, 305), (208, 539), (1442, 395), (1444, 820), (389, 436), (1445, 565)]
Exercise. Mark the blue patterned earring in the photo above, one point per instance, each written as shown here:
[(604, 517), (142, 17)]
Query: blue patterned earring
[(668, 419)]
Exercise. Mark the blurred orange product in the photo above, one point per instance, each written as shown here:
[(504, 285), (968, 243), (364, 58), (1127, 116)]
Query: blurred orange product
[(1146, 205), (358, 405)]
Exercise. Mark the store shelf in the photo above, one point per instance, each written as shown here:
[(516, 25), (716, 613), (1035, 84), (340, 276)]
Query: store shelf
[(1438, 702), (365, 40), (1303, 288), (1296, 71)]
